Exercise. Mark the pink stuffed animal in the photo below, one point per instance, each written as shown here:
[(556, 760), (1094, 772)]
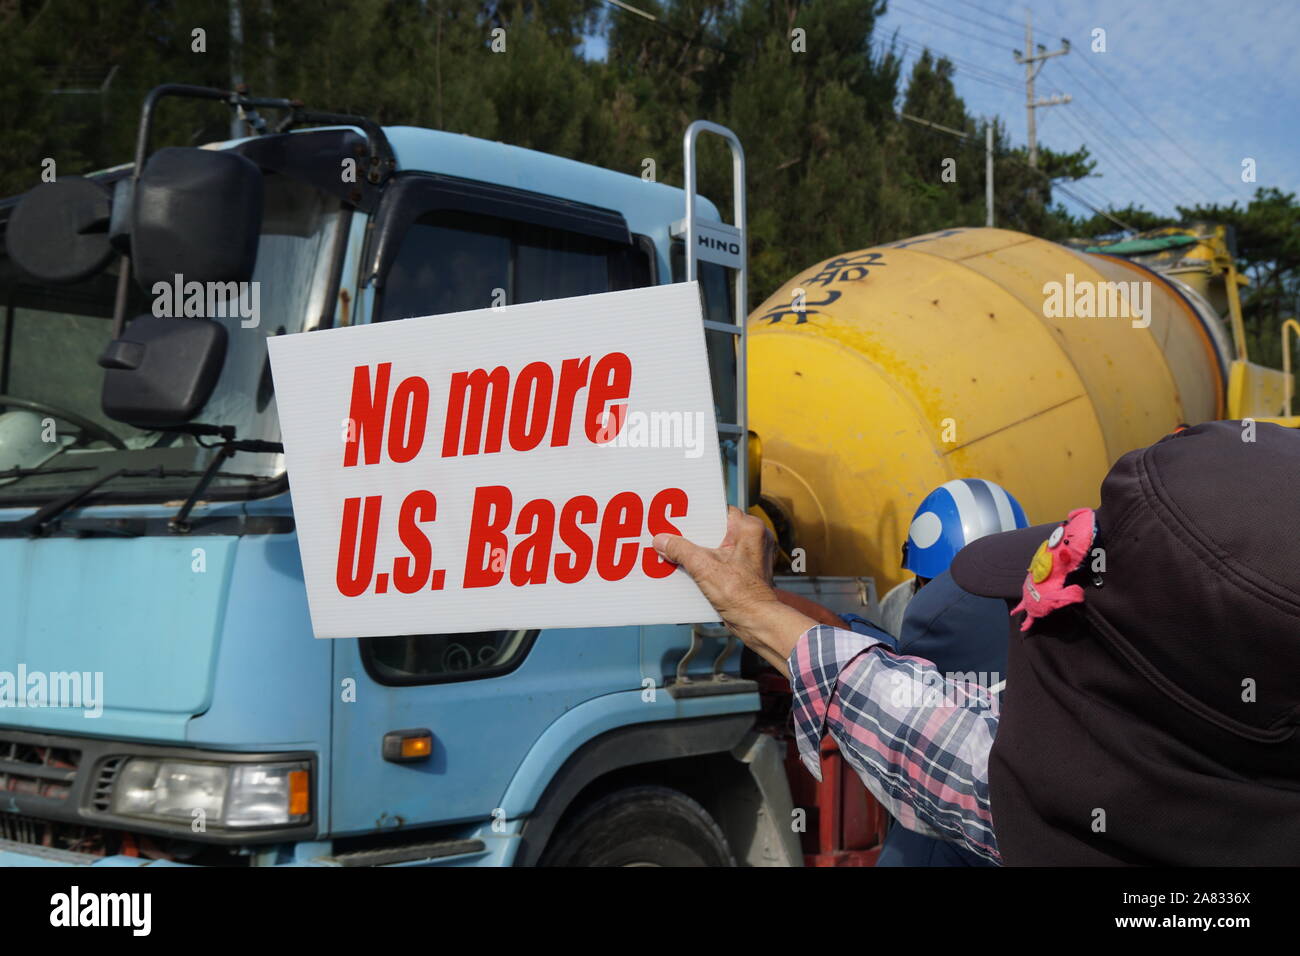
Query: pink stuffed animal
[(1045, 589)]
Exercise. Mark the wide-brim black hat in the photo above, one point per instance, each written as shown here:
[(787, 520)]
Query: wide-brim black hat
[(1158, 720), (995, 565)]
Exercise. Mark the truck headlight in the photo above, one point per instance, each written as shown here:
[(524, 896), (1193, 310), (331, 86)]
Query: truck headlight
[(229, 795)]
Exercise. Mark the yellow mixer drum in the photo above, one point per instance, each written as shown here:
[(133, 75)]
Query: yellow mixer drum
[(878, 375)]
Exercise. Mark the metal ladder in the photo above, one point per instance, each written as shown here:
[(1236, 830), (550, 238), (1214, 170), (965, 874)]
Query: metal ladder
[(708, 240)]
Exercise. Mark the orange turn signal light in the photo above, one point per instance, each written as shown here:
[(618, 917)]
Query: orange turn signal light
[(299, 796), (417, 747), (408, 746)]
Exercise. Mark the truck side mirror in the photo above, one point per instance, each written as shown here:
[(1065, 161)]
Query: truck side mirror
[(59, 231), (161, 371), (196, 213)]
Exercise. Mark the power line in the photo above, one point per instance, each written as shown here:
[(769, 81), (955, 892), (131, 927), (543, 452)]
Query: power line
[(1123, 96), (1100, 212), (1097, 210), (1142, 186), (1097, 198), (932, 129), (1005, 83), (1091, 188), (1079, 199), (1159, 128), (1141, 183), (1087, 88), (965, 70), (973, 71), (992, 76), (966, 33), (1125, 165), (1089, 192), (1129, 132), (1155, 169), (955, 16), (1011, 157), (990, 13)]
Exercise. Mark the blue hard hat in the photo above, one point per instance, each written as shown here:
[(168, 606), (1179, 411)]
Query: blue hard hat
[(954, 515)]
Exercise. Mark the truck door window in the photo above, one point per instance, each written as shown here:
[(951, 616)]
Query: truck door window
[(434, 658), (453, 264), (452, 261)]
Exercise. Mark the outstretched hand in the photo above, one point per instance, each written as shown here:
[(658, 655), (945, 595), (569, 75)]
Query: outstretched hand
[(736, 578)]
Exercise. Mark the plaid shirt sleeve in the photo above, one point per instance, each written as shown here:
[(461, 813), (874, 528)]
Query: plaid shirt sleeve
[(919, 742)]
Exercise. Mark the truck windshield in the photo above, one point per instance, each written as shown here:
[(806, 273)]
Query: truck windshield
[(51, 419)]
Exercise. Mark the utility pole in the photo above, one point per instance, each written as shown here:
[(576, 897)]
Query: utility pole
[(988, 157), (988, 175), (237, 128), (1033, 62)]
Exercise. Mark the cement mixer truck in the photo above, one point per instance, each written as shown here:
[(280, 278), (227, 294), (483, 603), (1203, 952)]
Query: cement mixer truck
[(877, 375)]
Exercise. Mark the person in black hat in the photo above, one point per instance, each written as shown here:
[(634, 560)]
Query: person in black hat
[(1152, 707)]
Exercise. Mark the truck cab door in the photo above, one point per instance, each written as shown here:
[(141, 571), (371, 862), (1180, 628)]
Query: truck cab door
[(441, 246)]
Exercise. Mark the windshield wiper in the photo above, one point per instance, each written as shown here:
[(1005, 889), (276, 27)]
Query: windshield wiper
[(37, 524), (19, 472), (227, 448)]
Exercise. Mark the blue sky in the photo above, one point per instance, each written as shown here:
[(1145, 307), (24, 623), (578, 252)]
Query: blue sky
[(1184, 92)]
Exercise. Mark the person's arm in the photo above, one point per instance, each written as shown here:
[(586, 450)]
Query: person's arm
[(818, 612), (920, 744), (736, 578), (923, 758)]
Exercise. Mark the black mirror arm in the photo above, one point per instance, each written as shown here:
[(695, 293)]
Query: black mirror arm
[(382, 160), (235, 98)]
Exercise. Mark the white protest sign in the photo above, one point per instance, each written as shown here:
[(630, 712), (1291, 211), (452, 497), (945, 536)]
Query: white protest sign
[(503, 468)]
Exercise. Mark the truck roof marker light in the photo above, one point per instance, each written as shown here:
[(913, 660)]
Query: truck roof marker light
[(408, 746), (299, 794)]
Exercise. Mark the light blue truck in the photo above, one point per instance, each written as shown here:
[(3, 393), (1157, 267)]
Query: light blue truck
[(162, 698)]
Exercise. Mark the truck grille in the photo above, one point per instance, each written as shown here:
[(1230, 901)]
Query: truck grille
[(52, 834), (37, 770)]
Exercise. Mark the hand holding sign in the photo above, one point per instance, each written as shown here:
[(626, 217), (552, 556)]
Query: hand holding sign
[(736, 578), (491, 473)]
